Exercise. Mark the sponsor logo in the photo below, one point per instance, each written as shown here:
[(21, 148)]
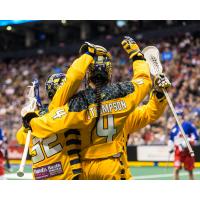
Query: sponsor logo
[(48, 171)]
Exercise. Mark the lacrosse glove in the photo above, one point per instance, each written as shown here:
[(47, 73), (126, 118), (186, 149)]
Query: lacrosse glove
[(132, 49), (27, 118), (94, 50), (161, 82)]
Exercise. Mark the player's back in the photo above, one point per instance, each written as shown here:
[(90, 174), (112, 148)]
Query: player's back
[(106, 139)]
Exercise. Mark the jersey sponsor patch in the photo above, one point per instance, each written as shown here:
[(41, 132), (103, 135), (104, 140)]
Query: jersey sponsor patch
[(48, 171)]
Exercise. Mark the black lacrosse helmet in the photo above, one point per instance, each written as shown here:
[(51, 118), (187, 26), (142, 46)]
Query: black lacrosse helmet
[(53, 82), (100, 70)]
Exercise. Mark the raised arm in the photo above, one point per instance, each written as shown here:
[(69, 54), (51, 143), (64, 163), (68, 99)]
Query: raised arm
[(146, 114), (141, 82), (74, 77), (149, 113), (76, 73)]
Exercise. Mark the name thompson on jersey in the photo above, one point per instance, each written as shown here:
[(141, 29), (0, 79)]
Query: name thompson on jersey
[(108, 108)]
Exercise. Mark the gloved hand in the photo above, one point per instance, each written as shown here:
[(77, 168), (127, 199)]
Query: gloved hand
[(94, 50), (131, 47), (161, 82), (27, 118)]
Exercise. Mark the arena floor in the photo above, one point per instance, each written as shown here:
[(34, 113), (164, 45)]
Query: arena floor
[(139, 173)]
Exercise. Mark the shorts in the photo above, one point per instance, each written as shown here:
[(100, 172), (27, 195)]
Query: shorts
[(104, 169), (186, 159)]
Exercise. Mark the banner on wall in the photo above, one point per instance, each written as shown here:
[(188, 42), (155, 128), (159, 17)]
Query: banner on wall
[(154, 153), (15, 152)]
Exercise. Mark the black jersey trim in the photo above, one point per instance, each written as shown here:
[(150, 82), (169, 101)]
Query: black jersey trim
[(77, 171), (73, 151), (73, 141), (71, 131), (75, 161)]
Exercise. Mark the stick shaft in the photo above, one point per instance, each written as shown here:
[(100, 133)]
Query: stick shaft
[(23, 160), (178, 122)]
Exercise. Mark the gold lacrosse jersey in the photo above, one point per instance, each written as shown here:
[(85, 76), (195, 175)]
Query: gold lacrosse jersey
[(53, 158), (57, 156), (118, 101)]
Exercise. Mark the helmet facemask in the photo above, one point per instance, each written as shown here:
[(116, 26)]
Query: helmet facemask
[(53, 83)]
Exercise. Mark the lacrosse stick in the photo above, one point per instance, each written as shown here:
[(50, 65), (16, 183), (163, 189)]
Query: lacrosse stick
[(29, 106), (151, 55), (37, 94)]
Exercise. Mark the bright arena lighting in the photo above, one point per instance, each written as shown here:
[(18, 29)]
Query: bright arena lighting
[(9, 28), (64, 21)]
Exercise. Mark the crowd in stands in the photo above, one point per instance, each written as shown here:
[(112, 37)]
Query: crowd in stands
[(181, 63)]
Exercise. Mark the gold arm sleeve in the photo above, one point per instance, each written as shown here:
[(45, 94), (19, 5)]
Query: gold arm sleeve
[(57, 121), (141, 81), (21, 136), (144, 115), (74, 77)]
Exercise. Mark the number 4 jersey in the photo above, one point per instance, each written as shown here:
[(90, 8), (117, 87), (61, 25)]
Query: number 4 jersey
[(118, 101)]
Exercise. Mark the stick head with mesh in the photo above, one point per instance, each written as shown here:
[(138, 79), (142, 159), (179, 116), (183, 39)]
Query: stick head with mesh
[(151, 55), (31, 102)]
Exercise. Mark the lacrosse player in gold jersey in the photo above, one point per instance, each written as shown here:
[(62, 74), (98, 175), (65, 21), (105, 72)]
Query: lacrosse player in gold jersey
[(144, 115)]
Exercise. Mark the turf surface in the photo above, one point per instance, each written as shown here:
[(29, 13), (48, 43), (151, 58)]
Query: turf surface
[(139, 173)]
